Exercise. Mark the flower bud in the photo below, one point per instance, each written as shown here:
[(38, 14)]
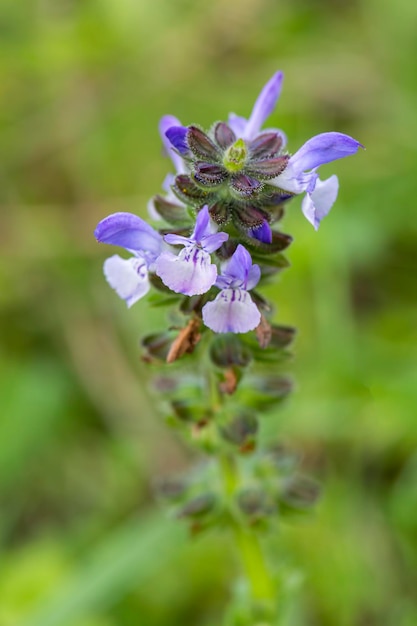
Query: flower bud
[(255, 503), (241, 429), (299, 493), (227, 350), (175, 214), (198, 506)]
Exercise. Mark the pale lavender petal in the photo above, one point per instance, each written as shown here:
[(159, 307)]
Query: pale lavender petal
[(254, 276), (316, 205), (152, 212), (210, 243), (190, 273), (203, 232), (224, 282), (233, 311), (169, 180), (264, 105), (128, 277), (177, 137), (237, 123), (175, 240), (262, 233), (167, 184), (322, 149), (202, 224), (131, 232), (238, 266), (166, 122), (290, 181)]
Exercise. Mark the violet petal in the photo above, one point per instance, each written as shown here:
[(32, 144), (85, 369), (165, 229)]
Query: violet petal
[(210, 243), (167, 122), (128, 277), (233, 311), (202, 224), (254, 276), (264, 105), (177, 135), (322, 149), (190, 273), (237, 123), (238, 267), (176, 240), (290, 181), (262, 233), (317, 205), (131, 232)]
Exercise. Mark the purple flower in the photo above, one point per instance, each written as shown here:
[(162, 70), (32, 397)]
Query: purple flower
[(191, 272), (169, 202), (296, 178), (129, 277), (176, 134), (233, 309), (168, 121), (263, 107), (262, 233)]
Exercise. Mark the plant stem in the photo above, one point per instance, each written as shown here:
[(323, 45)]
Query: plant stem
[(262, 587), (254, 562)]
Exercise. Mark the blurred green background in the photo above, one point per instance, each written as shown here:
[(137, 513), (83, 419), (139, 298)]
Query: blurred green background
[(82, 437)]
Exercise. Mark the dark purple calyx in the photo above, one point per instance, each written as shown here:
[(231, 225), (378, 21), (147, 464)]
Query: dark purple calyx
[(250, 216), (223, 135), (245, 185), (186, 190), (209, 174), (267, 168), (265, 146), (202, 146)]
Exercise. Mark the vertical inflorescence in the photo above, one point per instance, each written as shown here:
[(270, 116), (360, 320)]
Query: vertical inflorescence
[(215, 244)]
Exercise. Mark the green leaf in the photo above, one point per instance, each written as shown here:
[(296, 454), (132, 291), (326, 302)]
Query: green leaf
[(126, 559)]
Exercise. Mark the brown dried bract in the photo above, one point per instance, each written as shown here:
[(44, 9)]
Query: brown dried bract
[(263, 332), (247, 447), (229, 384), (187, 339)]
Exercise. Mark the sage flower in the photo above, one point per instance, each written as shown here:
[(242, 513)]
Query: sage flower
[(129, 277), (233, 310), (191, 272), (320, 195)]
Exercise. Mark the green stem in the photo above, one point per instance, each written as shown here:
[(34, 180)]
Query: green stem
[(261, 584), (262, 587)]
